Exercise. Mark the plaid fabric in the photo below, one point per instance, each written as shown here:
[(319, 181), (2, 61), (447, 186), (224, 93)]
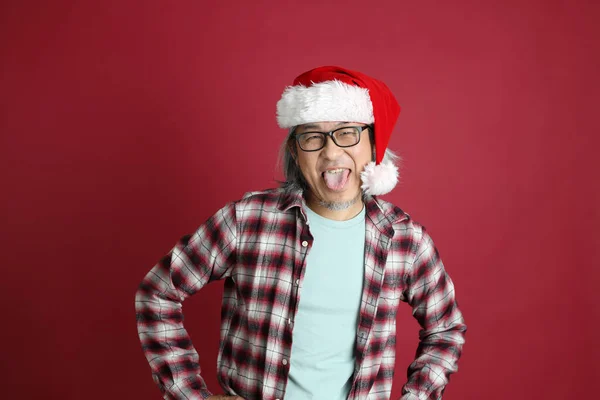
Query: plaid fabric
[(258, 245)]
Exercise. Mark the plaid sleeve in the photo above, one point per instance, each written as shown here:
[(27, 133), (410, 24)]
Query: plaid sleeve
[(194, 261), (430, 293)]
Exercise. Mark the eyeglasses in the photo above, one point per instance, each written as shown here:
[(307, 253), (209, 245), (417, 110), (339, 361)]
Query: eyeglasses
[(347, 136)]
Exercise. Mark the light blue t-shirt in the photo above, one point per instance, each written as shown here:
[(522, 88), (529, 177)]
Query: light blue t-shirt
[(324, 332)]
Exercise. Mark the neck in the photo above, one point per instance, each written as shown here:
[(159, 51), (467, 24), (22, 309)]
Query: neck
[(337, 211)]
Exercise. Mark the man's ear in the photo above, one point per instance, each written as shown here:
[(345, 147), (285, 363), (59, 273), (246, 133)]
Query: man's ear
[(292, 149), (372, 140), (291, 144)]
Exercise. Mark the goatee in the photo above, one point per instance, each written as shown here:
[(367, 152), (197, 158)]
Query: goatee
[(340, 205)]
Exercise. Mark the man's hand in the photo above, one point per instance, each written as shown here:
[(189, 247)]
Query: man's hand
[(214, 397)]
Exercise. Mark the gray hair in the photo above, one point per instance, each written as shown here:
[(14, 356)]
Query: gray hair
[(294, 180)]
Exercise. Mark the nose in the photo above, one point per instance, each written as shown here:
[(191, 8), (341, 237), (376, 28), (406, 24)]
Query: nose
[(331, 150)]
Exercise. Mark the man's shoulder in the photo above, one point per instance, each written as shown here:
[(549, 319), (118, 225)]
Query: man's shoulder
[(268, 199)]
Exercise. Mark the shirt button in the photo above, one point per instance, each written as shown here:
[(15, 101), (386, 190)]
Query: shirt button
[(289, 321), (284, 361), (304, 243), (297, 282)]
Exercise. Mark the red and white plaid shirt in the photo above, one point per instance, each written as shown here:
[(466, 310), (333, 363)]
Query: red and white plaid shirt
[(258, 245)]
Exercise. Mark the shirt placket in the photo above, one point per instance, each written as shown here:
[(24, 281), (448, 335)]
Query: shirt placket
[(376, 250), (303, 242)]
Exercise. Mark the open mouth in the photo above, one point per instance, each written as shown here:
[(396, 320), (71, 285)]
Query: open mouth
[(336, 179)]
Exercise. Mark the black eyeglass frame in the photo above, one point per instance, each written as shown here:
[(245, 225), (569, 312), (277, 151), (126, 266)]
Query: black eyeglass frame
[(331, 135)]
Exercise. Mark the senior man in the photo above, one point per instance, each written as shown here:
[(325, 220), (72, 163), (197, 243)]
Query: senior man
[(314, 270)]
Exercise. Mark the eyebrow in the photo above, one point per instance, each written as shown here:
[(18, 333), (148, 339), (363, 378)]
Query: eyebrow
[(315, 126)]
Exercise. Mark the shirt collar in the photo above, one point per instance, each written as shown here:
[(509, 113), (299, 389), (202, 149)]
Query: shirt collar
[(382, 215), (290, 198)]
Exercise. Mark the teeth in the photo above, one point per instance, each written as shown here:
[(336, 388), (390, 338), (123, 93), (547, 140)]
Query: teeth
[(335, 171)]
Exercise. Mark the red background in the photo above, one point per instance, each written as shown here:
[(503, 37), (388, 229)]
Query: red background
[(125, 124)]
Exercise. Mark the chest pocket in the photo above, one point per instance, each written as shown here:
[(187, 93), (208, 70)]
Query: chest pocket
[(391, 288), (263, 281)]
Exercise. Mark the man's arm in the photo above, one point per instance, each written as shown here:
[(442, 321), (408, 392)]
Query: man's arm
[(192, 263), (430, 293)]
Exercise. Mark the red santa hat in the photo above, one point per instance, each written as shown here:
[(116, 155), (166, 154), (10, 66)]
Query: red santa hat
[(338, 94)]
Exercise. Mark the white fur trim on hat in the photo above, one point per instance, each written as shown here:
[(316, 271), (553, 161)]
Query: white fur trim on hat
[(379, 179), (324, 101)]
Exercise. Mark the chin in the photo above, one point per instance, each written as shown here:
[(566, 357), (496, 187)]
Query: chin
[(339, 203), (346, 195)]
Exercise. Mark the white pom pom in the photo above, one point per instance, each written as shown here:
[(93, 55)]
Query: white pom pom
[(379, 179)]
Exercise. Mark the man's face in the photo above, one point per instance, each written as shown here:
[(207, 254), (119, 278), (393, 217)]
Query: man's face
[(333, 173)]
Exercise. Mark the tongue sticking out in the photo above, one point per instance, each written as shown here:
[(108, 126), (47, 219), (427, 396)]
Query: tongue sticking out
[(336, 180)]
